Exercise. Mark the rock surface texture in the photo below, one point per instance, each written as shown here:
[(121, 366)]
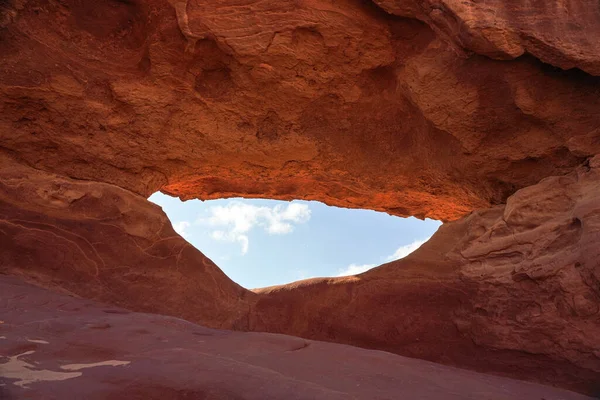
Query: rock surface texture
[(484, 113), (337, 101), (513, 289), (562, 33), (103, 242), (60, 347)]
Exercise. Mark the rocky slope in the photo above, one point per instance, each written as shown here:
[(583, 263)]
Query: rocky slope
[(513, 289), (56, 346), (105, 243)]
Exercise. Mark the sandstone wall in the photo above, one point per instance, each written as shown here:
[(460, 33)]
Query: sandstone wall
[(101, 242), (512, 289)]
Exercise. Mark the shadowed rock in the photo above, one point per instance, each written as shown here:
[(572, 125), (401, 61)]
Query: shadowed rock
[(156, 357)]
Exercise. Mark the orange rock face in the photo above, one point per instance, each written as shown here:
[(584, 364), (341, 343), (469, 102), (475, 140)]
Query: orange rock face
[(431, 108), (335, 101), (561, 33)]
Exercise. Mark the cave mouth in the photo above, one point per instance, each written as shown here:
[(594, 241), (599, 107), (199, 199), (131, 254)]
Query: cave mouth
[(260, 242)]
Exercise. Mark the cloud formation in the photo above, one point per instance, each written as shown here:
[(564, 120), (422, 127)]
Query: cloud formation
[(354, 269), (181, 228), (235, 220), (401, 252)]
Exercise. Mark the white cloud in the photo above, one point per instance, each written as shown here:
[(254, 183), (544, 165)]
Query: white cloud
[(405, 250), (236, 219), (401, 252), (245, 242), (354, 269), (181, 228)]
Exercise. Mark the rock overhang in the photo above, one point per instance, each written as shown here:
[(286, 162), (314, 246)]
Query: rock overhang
[(437, 111)]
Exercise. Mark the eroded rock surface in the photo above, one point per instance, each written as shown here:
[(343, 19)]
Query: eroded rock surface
[(56, 346), (335, 101), (431, 108), (103, 242), (512, 289), (558, 32)]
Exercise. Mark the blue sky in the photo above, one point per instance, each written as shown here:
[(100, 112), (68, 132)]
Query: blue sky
[(260, 243)]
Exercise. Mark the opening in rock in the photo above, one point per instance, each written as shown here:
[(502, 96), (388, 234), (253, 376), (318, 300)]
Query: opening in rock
[(260, 243)]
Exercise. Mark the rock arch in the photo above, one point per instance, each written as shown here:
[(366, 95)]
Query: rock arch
[(413, 111)]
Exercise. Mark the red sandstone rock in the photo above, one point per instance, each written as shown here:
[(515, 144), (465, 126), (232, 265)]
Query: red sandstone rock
[(509, 290), (55, 346), (338, 101), (106, 243), (558, 32), (333, 101), (512, 289)]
